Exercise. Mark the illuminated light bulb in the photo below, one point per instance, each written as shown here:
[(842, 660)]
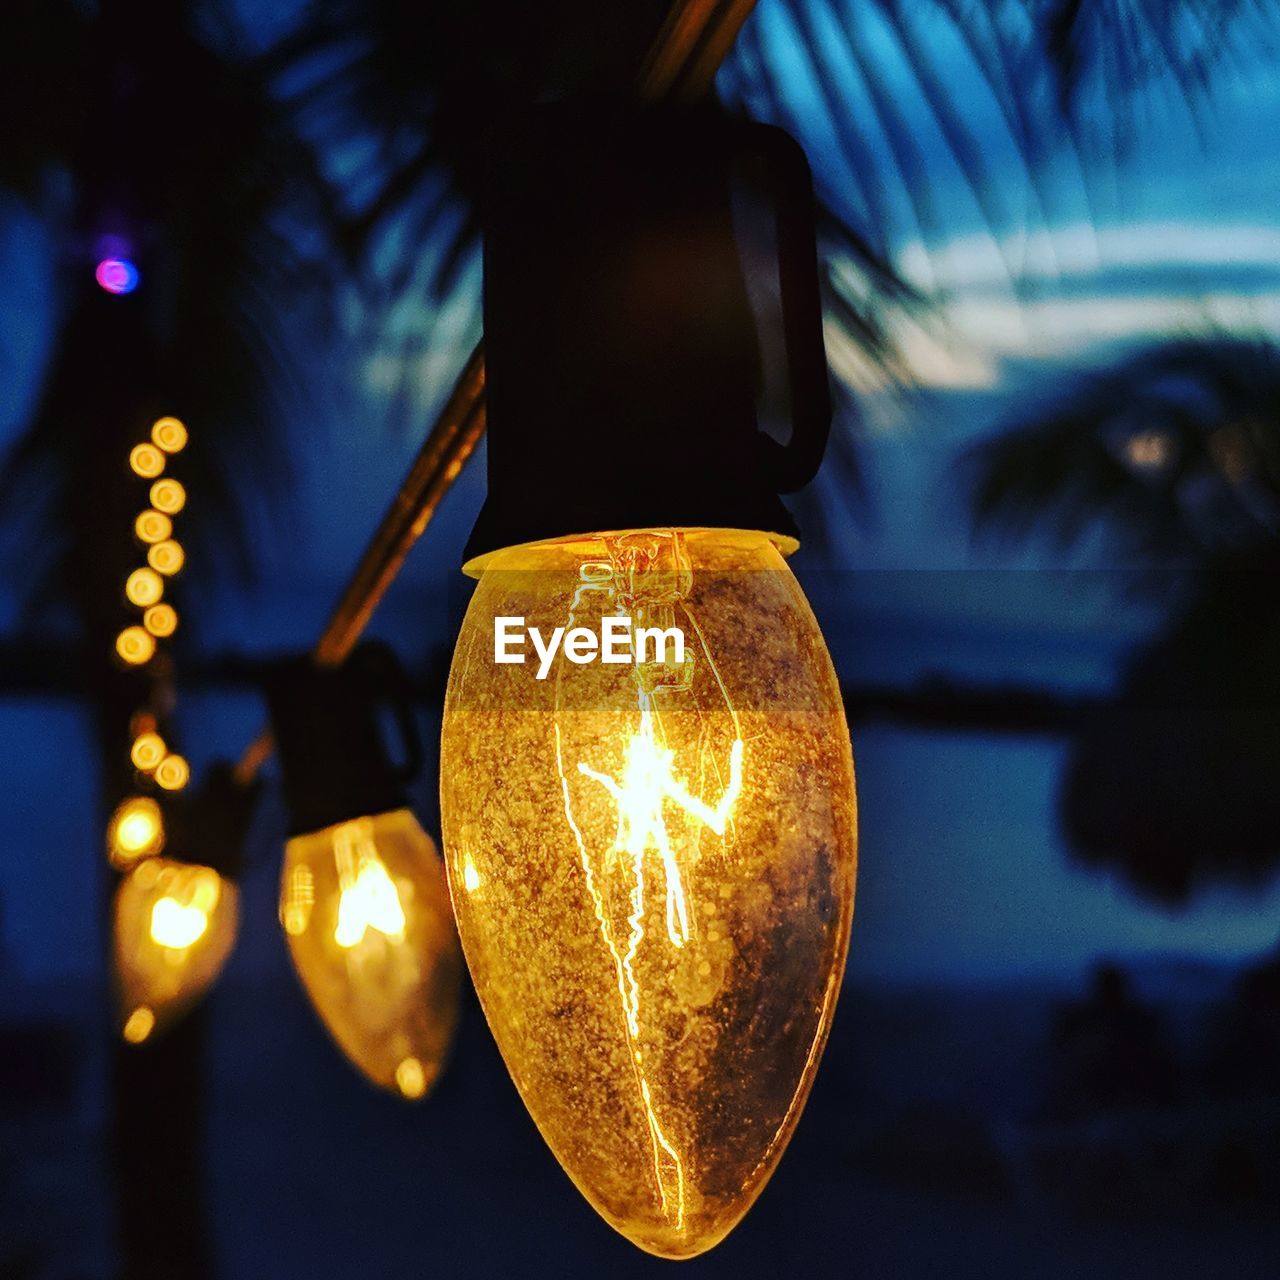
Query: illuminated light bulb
[(175, 925), (146, 461), (152, 526), (166, 557), (116, 275), (365, 910), (161, 620), (652, 865), (136, 830), (139, 1025), (144, 587), (169, 434), (135, 645), (169, 497), (172, 773), (147, 751)]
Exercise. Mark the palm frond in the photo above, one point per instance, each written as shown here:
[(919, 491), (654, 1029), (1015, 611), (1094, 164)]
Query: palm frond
[(1176, 451)]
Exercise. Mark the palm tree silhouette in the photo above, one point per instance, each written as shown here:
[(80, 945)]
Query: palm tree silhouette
[(1175, 453)]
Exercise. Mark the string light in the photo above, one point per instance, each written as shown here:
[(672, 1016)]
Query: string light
[(136, 830), (172, 773), (168, 496), (152, 526), (169, 434), (175, 925), (166, 557), (144, 587), (136, 646), (147, 751), (363, 899), (146, 461), (161, 620)]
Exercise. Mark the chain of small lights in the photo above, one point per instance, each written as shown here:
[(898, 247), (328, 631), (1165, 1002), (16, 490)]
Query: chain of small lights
[(136, 829)]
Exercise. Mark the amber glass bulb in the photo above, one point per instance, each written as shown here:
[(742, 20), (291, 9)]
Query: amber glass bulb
[(175, 925), (365, 909), (652, 865)]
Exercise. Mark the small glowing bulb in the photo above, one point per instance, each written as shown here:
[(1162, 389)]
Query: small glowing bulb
[(175, 925), (144, 587), (366, 913), (166, 557), (136, 830), (172, 773), (135, 645), (411, 1079), (146, 460), (669, 858), (147, 751), (139, 1025), (161, 620), (169, 497), (152, 526), (169, 434), (116, 275)]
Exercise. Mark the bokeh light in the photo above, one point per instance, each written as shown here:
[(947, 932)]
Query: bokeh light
[(116, 275), (152, 526), (144, 587), (161, 620), (169, 496), (136, 830), (173, 773), (146, 460), (147, 751), (166, 557), (135, 645), (169, 434)]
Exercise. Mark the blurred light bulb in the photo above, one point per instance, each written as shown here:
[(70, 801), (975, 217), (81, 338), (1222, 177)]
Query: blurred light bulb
[(146, 460), (147, 751), (175, 925), (152, 526), (144, 587), (172, 773), (161, 620), (136, 830), (116, 275), (652, 866), (135, 645), (169, 434), (166, 557), (366, 912), (168, 496)]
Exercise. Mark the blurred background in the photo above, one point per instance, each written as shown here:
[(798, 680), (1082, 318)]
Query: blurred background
[(1043, 549)]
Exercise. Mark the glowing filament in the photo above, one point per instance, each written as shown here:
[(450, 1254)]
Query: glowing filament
[(369, 899), (176, 926), (648, 781)]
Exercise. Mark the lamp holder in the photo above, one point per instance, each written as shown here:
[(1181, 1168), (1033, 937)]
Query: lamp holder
[(333, 753), (209, 827), (623, 362)]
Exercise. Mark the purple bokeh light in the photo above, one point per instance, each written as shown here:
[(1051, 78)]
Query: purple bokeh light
[(117, 275)]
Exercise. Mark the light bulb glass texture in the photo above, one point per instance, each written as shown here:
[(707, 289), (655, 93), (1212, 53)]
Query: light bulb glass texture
[(652, 865), (365, 909), (175, 926)]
